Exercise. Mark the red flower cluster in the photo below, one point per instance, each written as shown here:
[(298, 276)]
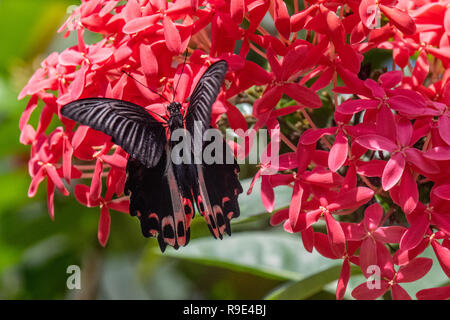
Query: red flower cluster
[(389, 143)]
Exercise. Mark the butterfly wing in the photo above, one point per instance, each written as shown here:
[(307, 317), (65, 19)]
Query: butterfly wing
[(218, 184), (218, 191), (204, 95), (129, 125), (156, 200)]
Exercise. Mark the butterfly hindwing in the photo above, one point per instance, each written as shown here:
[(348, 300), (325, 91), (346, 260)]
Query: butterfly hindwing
[(129, 125), (156, 200), (219, 188)]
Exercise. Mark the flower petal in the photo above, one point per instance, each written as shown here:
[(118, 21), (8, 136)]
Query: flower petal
[(296, 203), (376, 142), (96, 183), (343, 280), (148, 60), (385, 123), (398, 293), (140, 24), (443, 256), (308, 238), (406, 105), (352, 198), (281, 18), (408, 193), (268, 100), (311, 136), (302, 95), (104, 226), (322, 245), (172, 36), (373, 216), (440, 293), (443, 191), (237, 10), (390, 79), (444, 128), (267, 194), (377, 90), (392, 234), (354, 106), (414, 270), (393, 171), (353, 231), (441, 153), (363, 292), (53, 174), (336, 235), (402, 257), (279, 217), (400, 19), (339, 152), (367, 255), (120, 204), (50, 198), (404, 131), (418, 158), (418, 225)]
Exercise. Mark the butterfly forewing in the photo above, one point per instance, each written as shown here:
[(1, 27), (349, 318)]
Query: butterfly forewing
[(204, 96), (129, 125)]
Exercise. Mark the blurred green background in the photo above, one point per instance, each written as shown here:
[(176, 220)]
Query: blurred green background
[(258, 261)]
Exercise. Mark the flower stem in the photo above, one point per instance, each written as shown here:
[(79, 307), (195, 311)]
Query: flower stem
[(288, 142)]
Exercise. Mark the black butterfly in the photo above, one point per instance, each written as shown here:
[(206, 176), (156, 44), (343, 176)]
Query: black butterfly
[(161, 192)]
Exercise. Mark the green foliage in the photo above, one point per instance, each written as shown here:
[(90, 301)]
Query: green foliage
[(267, 254)]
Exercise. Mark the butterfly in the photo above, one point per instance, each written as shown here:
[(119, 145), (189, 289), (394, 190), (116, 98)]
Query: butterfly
[(163, 192)]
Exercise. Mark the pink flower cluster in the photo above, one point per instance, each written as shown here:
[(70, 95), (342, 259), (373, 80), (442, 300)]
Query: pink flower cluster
[(388, 146)]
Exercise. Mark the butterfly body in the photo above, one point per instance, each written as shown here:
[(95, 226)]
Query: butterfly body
[(162, 191), (176, 118)]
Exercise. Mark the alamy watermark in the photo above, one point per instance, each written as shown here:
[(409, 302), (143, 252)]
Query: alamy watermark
[(74, 279), (374, 280), (373, 11), (251, 146)]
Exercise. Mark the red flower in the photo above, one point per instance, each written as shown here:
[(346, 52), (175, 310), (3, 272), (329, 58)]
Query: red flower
[(400, 145), (339, 152), (346, 202), (368, 12), (323, 247), (84, 196), (43, 164), (281, 82), (371, 234), (441, 293), (391, 279)]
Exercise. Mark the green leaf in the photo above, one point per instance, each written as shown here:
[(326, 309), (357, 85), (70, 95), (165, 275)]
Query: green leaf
[(120, 279), (268, 254), (306, 287), (28, 27), (14, 187)]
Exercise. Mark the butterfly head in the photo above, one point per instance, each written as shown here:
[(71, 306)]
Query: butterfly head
[(174, 108)]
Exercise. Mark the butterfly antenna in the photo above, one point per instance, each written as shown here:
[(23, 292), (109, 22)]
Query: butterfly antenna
[(154, 91), (179, 78)]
